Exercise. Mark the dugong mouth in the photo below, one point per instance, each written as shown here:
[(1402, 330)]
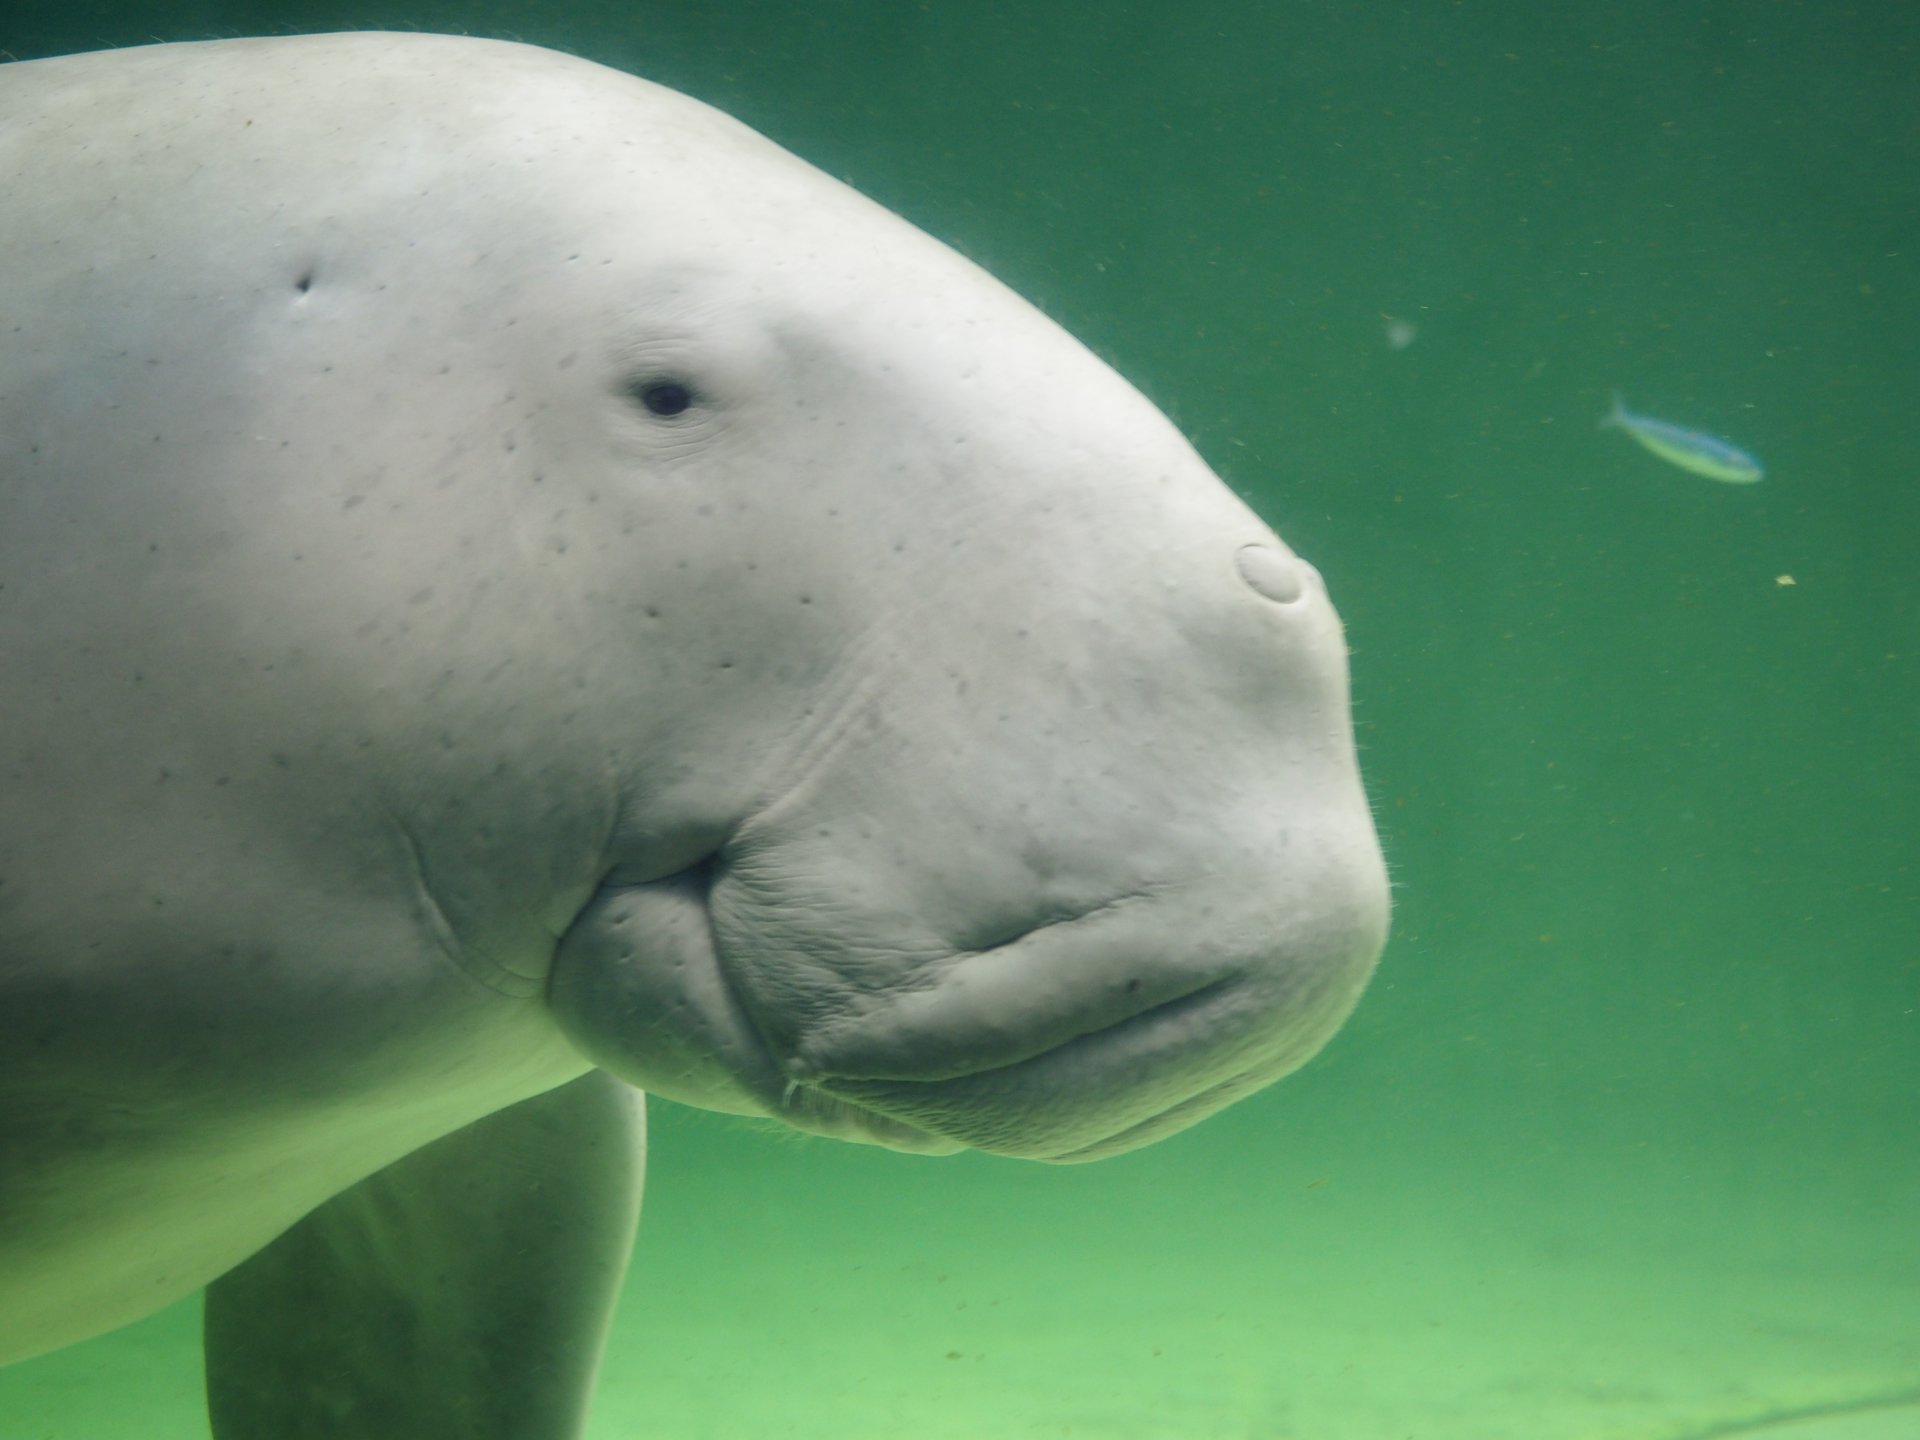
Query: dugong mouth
[(1047, 1106), (1043, 1107), (638, 987), (1096, 1032), (1078, 1038), (819, 1112)]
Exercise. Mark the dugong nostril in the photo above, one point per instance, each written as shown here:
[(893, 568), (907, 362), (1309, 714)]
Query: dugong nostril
[(1272, 573)]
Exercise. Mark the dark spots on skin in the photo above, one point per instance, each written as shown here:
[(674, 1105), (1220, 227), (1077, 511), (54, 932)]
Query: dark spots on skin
[(304, 281)]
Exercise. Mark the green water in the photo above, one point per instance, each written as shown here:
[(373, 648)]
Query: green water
[(1622, 1143)]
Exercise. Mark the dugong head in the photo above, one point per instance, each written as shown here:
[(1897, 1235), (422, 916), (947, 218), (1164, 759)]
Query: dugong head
[(1053, 840), (791, 659)]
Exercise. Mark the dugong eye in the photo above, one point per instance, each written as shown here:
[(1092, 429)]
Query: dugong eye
[(663, 397)]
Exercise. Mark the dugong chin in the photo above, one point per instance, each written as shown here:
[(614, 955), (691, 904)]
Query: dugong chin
[(516, 591)]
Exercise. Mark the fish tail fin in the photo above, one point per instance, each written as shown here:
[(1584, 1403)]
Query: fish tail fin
[(1617, 416)]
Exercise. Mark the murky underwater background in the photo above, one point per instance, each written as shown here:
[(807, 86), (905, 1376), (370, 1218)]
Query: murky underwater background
[(1624, 1143)]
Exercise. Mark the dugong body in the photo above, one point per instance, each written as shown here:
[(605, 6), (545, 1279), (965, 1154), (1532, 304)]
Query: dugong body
[(514, 589)]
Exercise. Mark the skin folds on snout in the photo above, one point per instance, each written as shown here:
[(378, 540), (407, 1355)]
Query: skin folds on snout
[(1056, 914)]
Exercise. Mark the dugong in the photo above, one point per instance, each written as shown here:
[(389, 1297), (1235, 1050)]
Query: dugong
[(515, 592)]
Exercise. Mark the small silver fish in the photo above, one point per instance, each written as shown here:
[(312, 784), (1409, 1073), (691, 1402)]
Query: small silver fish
[(1693, 450)]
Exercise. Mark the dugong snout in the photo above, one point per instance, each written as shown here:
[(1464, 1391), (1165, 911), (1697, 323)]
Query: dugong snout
[(1083, 1038), (1103, 943), (1127, 1033)]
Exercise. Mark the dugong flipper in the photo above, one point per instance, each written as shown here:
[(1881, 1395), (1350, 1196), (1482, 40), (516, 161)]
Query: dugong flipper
[(460, 1294)]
